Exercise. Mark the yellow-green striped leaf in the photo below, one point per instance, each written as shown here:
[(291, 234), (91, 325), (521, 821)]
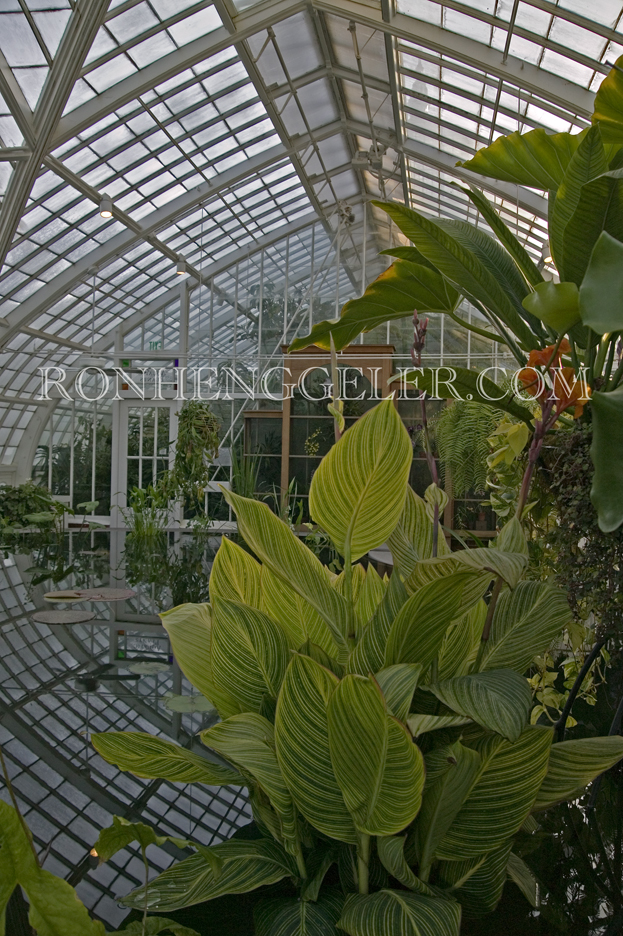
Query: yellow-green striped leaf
[(281, 916), (358, 491), (391, 850), (478, 882), (400, 914), (573, 764), (421, 724), (290, 560), (248, 741), (412, 539), (369, 654), (418, 630), (459, 649), (525, 623), (498, 699), (302, 745), (378, 768), (502, 795), (144, 755), (511, 537), (397, 683), (240, 866), (154, 926), (451, 773), (189, 627), (235, 575), (509, 566), (521, 875), (122, 833), (370, 596), (297, 617), (250, 653)]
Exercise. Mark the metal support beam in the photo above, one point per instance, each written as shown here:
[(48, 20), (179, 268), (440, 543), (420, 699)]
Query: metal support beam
[(15, 154)]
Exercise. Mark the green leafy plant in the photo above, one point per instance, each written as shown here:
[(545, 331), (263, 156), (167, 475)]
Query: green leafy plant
[(565, 336), (382, 728)]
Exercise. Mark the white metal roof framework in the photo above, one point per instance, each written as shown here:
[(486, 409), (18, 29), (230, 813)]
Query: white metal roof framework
[(226, 134)]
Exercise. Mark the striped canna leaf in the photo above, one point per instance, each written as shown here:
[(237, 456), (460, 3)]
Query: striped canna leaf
[(369, 654), (250, 653), (378, 768), (297, 617), (573, 764), (502, 795), (391, 849), (274, 543), (397, 683), (248, 741), (291, 917), (477, 883), (459, 649), (412, 539), (498, 699), (302, 745), (357, 493), (400, 913), (233, 867), (144, 755), (189, 627), (490, 562), (525, 623), (235, 575), (370, 596)]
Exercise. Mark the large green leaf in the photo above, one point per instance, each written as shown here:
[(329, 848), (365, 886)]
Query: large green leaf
[(397, 683), (412, 539), (290, 560), (521, 875), (451, 773), (421, 724), (379, 769), (358, 491), (567, 232), (370, 596), (478, 882), (502, 796), (154, 926), (460, 265), (122, 833), (235, 575), (537, 159), (499, 700), (281, 916), (555, 304), (248, 741), (467, 385), (400, 289), (302, 744), (250, 653), (419, 628), (189, 627), (606, 448), (573, 764), (147, 756), (234, 867), (459, 649), (608, 107), (369, 654), (400, 913), (297, 617), (525, 623), (601, 292), (391, 850), (55, 909), (509, 566)]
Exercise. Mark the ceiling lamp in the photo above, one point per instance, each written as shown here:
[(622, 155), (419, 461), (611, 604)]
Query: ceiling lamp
[(106, 206), (181, 267)]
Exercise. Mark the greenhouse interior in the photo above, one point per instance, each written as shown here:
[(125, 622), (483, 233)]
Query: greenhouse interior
[(311, 467)]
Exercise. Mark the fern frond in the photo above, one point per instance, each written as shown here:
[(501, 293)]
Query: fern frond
[(460, 432)]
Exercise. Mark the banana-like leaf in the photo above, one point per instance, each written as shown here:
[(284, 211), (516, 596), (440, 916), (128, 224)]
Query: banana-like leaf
[(248, 741), (291, 917), (397, 683), (250, 653), (400, 914), (499, 700), (537, 159), (144, 755), (233, 867), (461, 265), (412, 539), (403, 287), (606, 448), (504, 234), (573, 764), (588, 162), (608, 107), (302, 744), (235, 575), (459, 649), (519, 872), (451, 774), (122, 833), (601, 292), (369, 654), (478, 882), (297, 617), (154, 926), (371, 594), (358, 491), (525, 622), (502, 796), (189, 627), (290, 560), (55, 909), (391, 849), (555, 304), (469, 385), (509, 566), (421, 724), (379, 769), (419, 628)]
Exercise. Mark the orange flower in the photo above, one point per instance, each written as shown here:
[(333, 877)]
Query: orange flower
[(567, 389), (543, 356)]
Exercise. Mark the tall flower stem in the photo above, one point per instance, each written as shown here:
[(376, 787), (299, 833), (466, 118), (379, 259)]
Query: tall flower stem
[(419, 339)]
